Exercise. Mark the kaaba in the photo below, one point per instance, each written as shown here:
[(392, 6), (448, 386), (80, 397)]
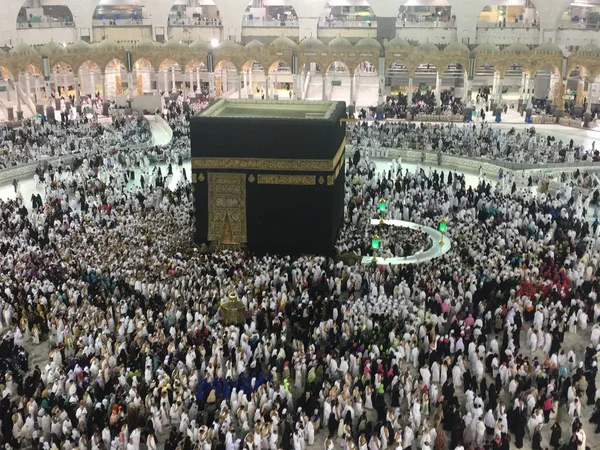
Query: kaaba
[(269, 175)]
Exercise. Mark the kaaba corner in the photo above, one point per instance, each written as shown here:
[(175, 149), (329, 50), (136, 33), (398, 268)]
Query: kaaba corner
[(269, 175)]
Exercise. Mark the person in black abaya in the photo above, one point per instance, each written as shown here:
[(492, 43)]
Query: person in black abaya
[(519, 421), (590, 376), (556, 435), (332, 425)]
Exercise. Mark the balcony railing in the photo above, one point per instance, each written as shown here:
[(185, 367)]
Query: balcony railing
[(121, 22), (47, 22), (338, 23), (578, 25), (488, 24), (207, 22), (270, 23), (400, 23)]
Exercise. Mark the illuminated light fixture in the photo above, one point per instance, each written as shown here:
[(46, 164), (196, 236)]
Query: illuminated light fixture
[(382, 205), (64, 44), (375, 243), (214, 43)]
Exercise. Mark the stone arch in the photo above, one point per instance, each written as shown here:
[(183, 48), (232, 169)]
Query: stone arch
[(280, 66), (226, 78), (169, 72), (253, 66), (143, 75), (115, 73), (424, 76), (89, 74), (453, 78), (197, 72), (366, 68), (544, 84), (61, 79), (280, 79), (6, 73), (56, 15), (484, 76), (398, 74), (577, 85)]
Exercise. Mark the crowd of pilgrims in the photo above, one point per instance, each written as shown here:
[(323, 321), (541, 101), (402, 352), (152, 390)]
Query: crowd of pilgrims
[(489, 345), (36, 140), (356, 237), (472, 140), (423, 102)]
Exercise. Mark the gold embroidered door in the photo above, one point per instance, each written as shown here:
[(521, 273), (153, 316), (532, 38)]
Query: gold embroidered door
[(227, 207)]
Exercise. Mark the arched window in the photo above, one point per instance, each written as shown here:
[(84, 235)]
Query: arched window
[(519, 13), (194, 13), (338, 13), (264, 14), (426, 13), (34, 15), (121, 13)]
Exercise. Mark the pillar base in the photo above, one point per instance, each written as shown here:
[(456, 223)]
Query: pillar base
[(559, 112), (10, 113), (438, 110), (19, 115), (521, 107), (578, 111), (105, 106), (78, 109), (587, 119), (39, 109), (50, 114), (528, 114)]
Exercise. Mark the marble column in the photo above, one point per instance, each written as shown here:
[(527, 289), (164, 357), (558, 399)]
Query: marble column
[(267, 81), (409, 94), (37, 90), (324, 82), (239, 87), (251, 87), (131, 84), (76, 87), (173, 85), (211, 84), (499, 88), (103, 81), (19, 110), (245, 78), (66, 83), (295, 87), (191, 82), (92, 84), (438, 85), (56, 88), (580, 93), (587, 116), (352, 87), (28, 85), (166, 80), (198, 79)]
